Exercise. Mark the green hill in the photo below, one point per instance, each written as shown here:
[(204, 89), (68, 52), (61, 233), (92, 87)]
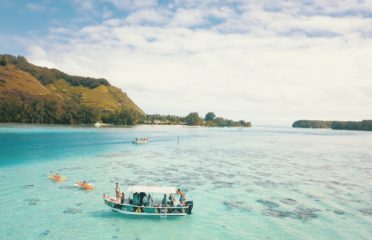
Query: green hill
[(33, 94)]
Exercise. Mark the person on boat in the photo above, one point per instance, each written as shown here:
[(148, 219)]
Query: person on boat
[(122, 198), (174, 202), (164, 201), (179, 192), (136, 200), (148, 200), (142, 195), (117, 192), (170, 202), (183, 199)]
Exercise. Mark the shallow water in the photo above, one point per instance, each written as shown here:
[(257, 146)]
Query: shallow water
[(258, 183)]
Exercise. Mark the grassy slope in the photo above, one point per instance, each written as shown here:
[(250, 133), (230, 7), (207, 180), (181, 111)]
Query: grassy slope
[(107, 98), (104, 97), (13, 81)]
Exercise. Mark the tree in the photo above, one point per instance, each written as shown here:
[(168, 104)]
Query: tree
[(210, 116), (193, 119)]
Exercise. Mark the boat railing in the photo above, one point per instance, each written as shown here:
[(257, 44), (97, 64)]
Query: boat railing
[(142, 206)]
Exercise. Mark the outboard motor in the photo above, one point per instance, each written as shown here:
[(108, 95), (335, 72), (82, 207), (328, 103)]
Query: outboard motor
[(189, 205)]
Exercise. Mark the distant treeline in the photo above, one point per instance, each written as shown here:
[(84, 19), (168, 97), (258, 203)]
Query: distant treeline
[(49, 110), (47, 76), (23, 109), (193, 119), (365, 125)]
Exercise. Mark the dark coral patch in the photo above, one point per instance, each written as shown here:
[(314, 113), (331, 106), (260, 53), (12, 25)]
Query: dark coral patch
[(339, 212), (32, 201), (239, 205), (276, 213), (288, 201), (304, 214), (268, 203)]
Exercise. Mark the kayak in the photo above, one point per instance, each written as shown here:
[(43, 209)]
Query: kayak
[(57, 178), (84, 186)]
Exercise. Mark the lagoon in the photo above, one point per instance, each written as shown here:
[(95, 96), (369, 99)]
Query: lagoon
[(246, 183)]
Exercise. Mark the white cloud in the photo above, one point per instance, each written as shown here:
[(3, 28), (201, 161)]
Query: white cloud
[(132, 4), (261, 63), (146, 16), (36, 7), (188, 18)]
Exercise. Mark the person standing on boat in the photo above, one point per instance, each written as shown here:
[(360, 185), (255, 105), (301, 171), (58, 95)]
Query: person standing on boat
[(117, 192), (179, 192)]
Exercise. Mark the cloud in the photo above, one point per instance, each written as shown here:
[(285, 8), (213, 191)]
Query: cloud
[(132, 4), (263, 61), (36, 7), (187, 18), (146, 16)]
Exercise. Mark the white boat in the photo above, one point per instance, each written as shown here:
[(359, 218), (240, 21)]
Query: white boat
[(140, 140), (152, 206)]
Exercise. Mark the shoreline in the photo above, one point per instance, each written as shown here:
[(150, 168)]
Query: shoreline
[(92, 125)]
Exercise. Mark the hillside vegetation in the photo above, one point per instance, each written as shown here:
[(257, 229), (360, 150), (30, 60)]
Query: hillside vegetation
[(32, 94), (364, 125)]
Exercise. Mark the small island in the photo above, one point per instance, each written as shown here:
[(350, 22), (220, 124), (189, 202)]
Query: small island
[(34, 94), (364, 125)]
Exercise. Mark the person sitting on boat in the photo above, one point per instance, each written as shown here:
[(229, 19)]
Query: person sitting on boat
[(150, 201), (142, 195), (117, 192), (175, 201), (122, 198), (164, 201), (136, 199)]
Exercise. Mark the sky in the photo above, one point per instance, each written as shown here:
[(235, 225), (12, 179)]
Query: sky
[(269, 62)]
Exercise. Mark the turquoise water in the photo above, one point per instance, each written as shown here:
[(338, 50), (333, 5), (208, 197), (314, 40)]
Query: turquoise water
[(258, 183)]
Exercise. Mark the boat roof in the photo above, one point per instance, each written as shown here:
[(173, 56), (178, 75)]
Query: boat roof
[(152, 189)]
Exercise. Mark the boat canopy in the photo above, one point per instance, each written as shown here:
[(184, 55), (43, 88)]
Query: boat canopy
[(151, 189)]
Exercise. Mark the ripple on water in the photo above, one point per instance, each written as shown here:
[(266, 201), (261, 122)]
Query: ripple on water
[(266, 184), (366, 211), (72, 210)]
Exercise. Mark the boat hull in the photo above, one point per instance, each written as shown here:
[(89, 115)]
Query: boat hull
[(147, 214), (127, 209)]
